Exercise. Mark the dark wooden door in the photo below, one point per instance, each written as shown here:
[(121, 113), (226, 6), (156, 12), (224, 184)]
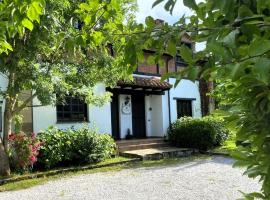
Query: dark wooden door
[(138, 116), (115, 117)]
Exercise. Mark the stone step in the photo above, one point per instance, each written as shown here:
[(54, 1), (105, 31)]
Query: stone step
[(139, 141), (159, 153), (130, 147)]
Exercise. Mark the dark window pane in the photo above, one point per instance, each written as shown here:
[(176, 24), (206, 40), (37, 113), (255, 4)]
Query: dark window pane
[(73, 110), (184, 108)]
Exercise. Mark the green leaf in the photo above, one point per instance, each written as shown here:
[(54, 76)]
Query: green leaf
[(186, 54), (32, 13), (85, 6), (150, 22), (229, 40), (262, 68), (244, 11), (169, 6), (171, 48), (259, 47), (156, 3), (98, 37), (7, 45), (193, 73), (235, 70), (28, 24), (191, 4)]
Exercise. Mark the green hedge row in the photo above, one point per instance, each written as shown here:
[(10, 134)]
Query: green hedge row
[(65, 147), (200, 133)]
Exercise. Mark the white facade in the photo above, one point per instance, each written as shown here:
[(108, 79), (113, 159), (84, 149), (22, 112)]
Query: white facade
[(157, 110), (3, 86), (99, 117)]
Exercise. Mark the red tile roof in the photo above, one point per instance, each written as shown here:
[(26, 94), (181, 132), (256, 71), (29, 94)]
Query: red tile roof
[(147, 83)]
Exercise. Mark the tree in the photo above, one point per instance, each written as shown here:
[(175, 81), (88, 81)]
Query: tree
[(237, 55), (60, 47)]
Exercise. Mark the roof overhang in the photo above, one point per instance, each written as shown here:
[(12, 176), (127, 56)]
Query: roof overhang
[(142, 85)]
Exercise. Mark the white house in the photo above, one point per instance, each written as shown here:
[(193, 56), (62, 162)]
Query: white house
[(144, 107)]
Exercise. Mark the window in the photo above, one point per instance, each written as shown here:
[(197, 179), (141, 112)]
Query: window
[(184, 108), (73, 110), (179, 61)]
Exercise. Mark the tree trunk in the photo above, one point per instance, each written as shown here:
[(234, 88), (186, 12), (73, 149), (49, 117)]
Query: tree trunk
[(7, 124), (211, 105), (4, 160)]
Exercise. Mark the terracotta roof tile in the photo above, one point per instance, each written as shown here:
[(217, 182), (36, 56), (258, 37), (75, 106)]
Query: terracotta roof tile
[(151, 83)]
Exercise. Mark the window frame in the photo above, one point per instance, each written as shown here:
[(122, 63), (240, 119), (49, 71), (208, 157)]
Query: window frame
[(71, 111), (191, 100)]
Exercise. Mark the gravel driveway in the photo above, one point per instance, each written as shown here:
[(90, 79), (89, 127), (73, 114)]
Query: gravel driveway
[(202, 179)]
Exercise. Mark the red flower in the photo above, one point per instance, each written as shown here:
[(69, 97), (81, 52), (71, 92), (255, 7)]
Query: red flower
[(12, 136), (33, 135), (33, 159)]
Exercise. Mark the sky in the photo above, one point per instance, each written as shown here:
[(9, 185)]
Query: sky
[(145, 9)]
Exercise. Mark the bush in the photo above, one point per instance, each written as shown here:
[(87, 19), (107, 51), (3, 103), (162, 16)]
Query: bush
[(23, 151), (222, 133), (65, 147), (201, 133)]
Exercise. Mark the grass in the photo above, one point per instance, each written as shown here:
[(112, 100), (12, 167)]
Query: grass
[(42, 180), (71, 168), (228, 146)]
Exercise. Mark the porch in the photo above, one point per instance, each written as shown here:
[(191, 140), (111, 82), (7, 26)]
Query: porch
[(139, 109)]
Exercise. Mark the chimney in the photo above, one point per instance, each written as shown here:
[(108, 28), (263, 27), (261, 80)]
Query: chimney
[(159, 21)]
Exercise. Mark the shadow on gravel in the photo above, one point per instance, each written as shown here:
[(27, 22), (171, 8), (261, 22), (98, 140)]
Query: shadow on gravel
[(222, 160)]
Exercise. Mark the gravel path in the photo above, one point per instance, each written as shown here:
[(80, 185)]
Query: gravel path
[(203, 180)]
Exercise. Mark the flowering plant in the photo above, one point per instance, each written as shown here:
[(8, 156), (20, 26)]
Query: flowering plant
[(24, 150)]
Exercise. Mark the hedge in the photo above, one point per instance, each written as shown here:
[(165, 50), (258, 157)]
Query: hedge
[(200, 133), (73, 147)]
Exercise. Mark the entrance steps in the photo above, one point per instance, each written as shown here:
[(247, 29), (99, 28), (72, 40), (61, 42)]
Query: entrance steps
[(151, 149), (138, 144), (159, 153)]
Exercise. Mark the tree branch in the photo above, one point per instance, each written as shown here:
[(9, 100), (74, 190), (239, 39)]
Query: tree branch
[(247, 58), (21, 107)]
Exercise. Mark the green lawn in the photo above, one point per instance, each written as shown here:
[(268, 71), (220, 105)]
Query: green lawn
[(18, 185), (228, 146)]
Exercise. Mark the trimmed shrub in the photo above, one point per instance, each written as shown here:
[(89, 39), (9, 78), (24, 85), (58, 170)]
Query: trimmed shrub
[(222, 133), (200, 133), (69, 147)]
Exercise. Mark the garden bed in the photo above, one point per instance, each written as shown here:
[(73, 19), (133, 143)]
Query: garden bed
[(38, 174)]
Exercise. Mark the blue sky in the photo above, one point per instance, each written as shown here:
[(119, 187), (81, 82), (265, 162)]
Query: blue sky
[(145, 9), (158, 12)]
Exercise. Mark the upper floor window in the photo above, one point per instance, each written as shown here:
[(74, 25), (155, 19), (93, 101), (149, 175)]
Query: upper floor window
[(179, 61), (72, 109)]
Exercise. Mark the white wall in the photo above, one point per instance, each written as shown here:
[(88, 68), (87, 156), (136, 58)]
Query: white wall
[(156, 111), (99, 117), (125, 119), (3, 87), (157, 120), (165, 113), (185, 89)]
